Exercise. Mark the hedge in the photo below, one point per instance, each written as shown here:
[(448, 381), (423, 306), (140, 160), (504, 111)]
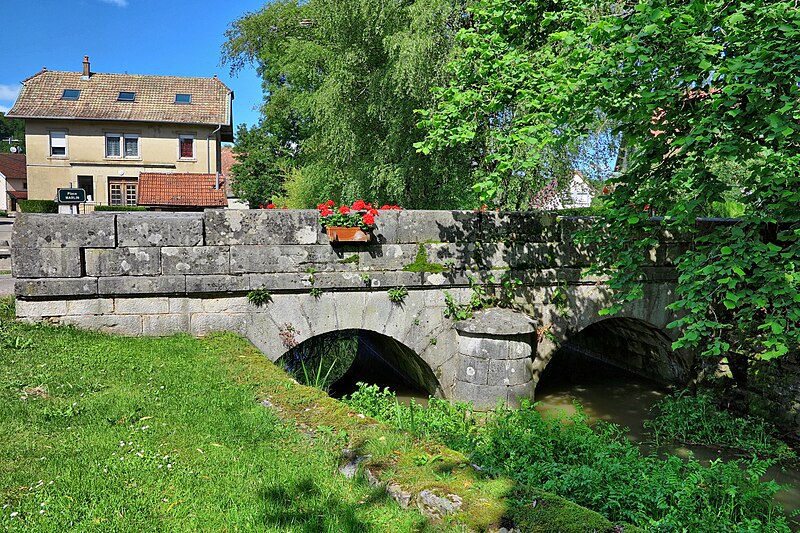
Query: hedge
[(38, 206), (119, 208)]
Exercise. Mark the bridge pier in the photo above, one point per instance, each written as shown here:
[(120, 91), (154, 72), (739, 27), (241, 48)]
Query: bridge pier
[(494, 359)]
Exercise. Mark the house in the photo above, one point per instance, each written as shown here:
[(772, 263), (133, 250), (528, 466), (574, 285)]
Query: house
[(100, 132), (554, 196), (13, 181)]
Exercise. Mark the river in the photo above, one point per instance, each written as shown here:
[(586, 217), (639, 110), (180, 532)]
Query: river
[(625, 399)]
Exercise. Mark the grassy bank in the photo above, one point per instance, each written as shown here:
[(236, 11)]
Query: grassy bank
[(132, 434)]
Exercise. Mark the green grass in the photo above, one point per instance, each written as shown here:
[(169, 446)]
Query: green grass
[(103, 433), (130, 434)]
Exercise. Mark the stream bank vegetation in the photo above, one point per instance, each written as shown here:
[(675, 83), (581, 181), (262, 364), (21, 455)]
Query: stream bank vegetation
[(594, 465)]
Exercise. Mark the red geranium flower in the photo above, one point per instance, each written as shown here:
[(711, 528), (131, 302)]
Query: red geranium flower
[(270, 206), (358, 205), (330, 203), (344, 210), (368, 219)]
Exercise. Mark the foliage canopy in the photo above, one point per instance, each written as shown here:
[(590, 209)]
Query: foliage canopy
[(342, 79), (706, 98)]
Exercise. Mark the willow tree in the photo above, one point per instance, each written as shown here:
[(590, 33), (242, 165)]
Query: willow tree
[(706, 95), (341, 80)]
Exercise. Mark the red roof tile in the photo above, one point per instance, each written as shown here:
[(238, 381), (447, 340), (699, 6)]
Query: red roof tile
[(13, 166), (181, 190)]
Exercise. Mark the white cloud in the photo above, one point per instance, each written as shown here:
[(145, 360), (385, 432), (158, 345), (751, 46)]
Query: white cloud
[(118, 3), (9, 93)]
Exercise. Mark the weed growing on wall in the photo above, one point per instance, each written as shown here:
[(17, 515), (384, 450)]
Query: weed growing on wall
[(397, 294)]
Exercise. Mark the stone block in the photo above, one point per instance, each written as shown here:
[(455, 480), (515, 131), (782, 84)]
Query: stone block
[(185, 305), (202, 324), (37, 309), (46, 262), (496, 322), (163, 325), (278, 226), (128, 261), (195, 260), (130, 325), (517, 393), (141, 285), (141, 306), (483, 397), (212, 283), (518, 226), (482, 348), (473, 370), (160, 229), (282, 281), (90, 306), (289, 258), (433, 226), (33, 230), (387, 257), (227, 305), (453, 256), (509, 372), (49, 287)]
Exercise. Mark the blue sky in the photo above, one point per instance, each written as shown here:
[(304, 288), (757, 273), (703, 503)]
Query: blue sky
[(162, 37)]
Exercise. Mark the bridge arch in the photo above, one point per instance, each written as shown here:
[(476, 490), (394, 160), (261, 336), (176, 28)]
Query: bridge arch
[(629, 344), (414, 327)]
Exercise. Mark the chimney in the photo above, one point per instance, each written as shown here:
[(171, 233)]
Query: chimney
[(86, 72)]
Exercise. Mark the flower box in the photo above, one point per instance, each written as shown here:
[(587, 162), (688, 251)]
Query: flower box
[(342, 234)]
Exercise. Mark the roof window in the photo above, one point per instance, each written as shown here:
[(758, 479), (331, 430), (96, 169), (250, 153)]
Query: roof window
[(126, 96), (183, 98), (70, 94)]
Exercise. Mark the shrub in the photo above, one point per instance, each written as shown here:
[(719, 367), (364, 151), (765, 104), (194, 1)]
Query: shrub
[(259, 297), (38, 206)]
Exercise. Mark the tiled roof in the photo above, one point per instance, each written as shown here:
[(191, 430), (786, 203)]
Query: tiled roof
[(181, 190), (13, 166), (40, 97)]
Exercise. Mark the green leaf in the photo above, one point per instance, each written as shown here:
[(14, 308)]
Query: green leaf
[(726, 250)]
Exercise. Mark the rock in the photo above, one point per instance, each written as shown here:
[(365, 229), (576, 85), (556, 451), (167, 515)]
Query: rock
[(435, 506)]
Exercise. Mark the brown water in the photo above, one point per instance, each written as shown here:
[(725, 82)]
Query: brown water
[(626, 400)]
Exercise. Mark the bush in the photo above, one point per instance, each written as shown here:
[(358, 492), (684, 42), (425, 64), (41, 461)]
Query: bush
[(119, 208), (38, 206)]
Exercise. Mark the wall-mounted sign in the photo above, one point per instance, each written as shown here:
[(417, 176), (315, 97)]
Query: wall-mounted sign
[(71, 196)]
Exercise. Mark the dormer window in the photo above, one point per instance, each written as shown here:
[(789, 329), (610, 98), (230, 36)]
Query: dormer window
[(126, 96), (71, 94), (183, 98)]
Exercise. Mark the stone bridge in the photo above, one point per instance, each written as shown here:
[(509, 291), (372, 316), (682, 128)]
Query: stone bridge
[(162, 273)]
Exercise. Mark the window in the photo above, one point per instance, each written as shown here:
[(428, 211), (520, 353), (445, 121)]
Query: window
[(122, 191), (182, 98), (122, 145), (70, 94), (58, 143), (186, 147), (87, 184), (126, 96)]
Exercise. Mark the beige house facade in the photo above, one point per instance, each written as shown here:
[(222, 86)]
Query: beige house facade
[(99, 132)]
